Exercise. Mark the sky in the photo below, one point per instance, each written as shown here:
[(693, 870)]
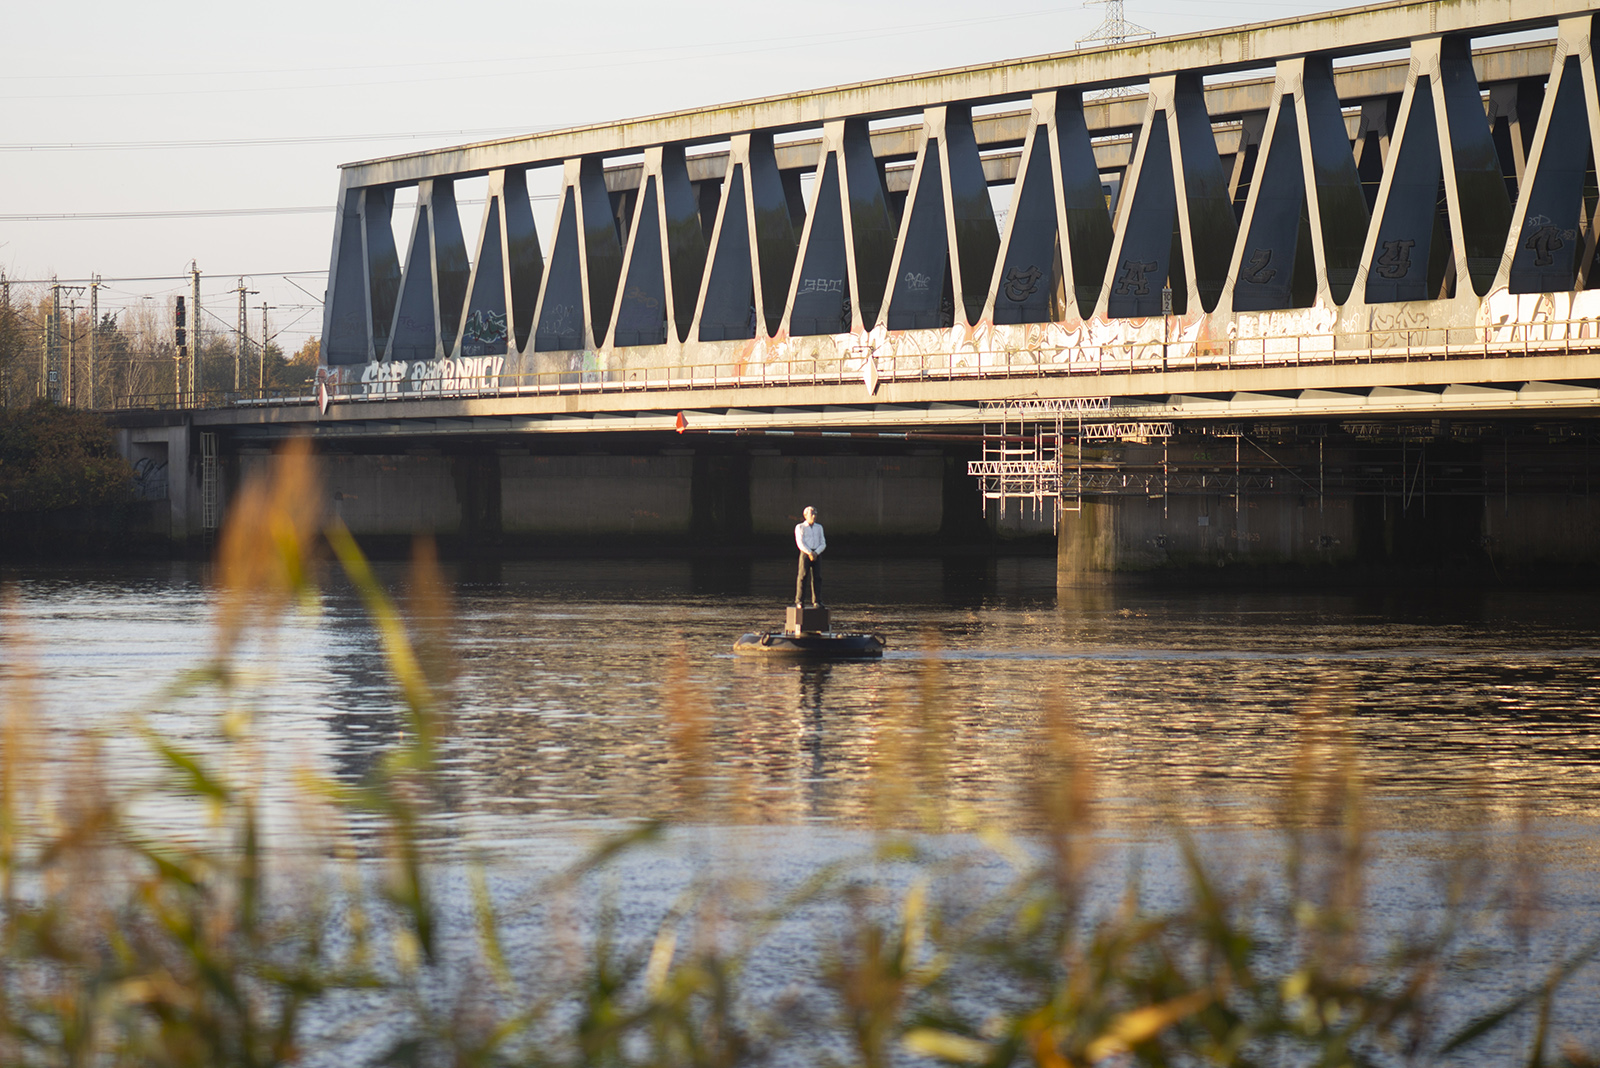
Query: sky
[(138, 138)]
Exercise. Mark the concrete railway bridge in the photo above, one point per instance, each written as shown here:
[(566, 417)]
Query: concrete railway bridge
[(1306, 293)]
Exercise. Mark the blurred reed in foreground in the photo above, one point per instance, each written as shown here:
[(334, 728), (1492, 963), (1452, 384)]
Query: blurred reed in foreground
[(127, 939)]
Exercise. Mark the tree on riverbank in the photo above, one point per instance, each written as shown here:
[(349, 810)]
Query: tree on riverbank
[(53, 458)]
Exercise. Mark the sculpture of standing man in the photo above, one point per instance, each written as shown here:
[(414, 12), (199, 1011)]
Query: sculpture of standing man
[(808, 537)]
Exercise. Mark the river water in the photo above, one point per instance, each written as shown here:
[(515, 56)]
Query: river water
[(588, 692)]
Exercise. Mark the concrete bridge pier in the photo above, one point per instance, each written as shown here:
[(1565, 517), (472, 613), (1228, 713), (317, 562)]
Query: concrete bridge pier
[(164, 452)]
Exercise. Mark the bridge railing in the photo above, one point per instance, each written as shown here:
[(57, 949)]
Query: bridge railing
[(869, 367)]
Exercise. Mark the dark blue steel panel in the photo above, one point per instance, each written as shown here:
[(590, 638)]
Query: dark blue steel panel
[(686, 240), (347, 330), (383, 263), (642, 315), (729, 310), (918, 288), (1480, 187), (561, 312), (1089, 233), (977, 237), (1027, 273), (821, 299), (873, 231), (1545, 257), (601, 247), (1399, 267), (1142, 266), (450, 260), (1341, 203), (484, 331), (415, 333), (1213, 226), (522, 250), (1267, 269), (775, 240)]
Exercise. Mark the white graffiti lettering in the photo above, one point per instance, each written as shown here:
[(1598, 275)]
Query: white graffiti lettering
[(470, 374)]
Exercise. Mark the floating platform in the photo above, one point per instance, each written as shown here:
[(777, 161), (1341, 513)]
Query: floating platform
[(806, 634), (826, 645)]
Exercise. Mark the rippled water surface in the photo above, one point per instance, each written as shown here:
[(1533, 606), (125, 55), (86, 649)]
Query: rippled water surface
[(592, 691), (1466, 708)]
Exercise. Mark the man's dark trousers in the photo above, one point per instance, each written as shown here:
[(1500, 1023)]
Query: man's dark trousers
[(810, 572)]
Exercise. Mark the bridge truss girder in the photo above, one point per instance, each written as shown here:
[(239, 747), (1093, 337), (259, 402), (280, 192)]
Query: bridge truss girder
[(896, 248)]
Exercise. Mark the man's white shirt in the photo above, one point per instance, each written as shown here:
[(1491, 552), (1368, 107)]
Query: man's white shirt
[(809, 538)]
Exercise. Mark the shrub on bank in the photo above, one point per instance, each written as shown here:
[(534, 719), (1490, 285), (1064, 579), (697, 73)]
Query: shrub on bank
[(52, 458)]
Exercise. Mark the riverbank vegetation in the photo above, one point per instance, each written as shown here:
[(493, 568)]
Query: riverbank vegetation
[(165, 914), (52, 458)]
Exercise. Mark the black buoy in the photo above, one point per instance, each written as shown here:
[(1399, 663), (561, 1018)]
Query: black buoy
[(806, 634)]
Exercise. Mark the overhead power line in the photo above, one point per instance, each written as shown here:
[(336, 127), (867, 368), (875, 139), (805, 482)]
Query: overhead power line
[(262, 142), (202, 213), (181, 213), (533, 66)]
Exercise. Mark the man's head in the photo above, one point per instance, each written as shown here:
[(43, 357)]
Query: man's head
[(810, 513)]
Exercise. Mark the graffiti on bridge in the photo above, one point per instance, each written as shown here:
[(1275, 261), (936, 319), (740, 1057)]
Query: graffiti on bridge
[(149, 479), (396, 377)]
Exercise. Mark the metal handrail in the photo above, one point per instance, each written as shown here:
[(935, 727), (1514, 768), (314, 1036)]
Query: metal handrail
[(1398, 346)]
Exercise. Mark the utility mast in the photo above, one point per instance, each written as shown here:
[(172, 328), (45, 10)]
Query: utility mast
[(243, 338), (50, 369), (261, 365), (94, 332), (1116, 28), (5, 368), (180, 357), (69, 392), (195, 375)]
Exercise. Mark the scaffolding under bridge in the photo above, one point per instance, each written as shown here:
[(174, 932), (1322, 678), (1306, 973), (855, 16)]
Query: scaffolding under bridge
[(1033, 452)]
